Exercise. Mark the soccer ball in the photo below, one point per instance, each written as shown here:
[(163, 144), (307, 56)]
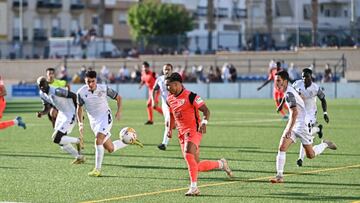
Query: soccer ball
[(128, 135)]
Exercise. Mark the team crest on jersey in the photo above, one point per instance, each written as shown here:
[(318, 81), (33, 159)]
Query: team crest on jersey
[(199, 100), (100, 93), (181, 102)]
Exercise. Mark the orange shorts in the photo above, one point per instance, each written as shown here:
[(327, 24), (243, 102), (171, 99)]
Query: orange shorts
[(194, 137), (2, 107)]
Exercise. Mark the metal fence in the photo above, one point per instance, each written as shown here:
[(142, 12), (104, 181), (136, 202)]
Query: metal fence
[(178, 44)]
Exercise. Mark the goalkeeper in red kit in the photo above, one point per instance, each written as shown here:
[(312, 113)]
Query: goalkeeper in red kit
[(184, 108)]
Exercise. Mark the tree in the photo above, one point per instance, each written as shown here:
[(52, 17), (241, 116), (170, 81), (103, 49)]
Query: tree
[(314, 21), (151, 18), (210, 22), (269, 21)]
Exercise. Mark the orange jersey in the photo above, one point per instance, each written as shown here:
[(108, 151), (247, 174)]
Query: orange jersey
[(185, 108), (2, 98), (149, 79), (272, 75)]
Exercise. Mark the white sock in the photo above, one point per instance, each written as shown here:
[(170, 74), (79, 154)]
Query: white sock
[(99, 155), (70, 149), (280, 162), (221, 164), (318, 149), (315, 130), (193, 184), (118, 144), (302, 153), (16, 121), (166, 138), (69, 140)]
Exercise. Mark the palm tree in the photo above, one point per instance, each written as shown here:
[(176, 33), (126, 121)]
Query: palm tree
[(314, 21), (269, 21), (210, 22)]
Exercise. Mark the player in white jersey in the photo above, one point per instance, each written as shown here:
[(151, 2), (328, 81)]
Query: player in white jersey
[(160, 86), (65, 102), (93, 97), (295, 128), (309, 90)]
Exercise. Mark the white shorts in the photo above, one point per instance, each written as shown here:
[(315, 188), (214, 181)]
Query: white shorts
[(304, 136), (65, 123), (102, 124)]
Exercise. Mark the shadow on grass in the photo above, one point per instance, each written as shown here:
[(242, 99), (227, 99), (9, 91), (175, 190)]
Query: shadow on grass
[(306, 197)]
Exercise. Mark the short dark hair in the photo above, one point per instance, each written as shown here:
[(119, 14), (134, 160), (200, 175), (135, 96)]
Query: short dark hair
[(283, 74), (50, 69), (146, 64), (168, 64), (90, 74), (307, 71), (278, 64), (174, 77)]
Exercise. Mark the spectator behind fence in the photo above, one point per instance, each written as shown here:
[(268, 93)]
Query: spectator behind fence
[(327, 74), (124, 74), (294, 73), (63, 75), (225, 73), (233, 74)]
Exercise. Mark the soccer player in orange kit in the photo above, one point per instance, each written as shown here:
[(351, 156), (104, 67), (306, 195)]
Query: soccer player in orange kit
[(277, 94), (184, 107), (148, 78), (5, 124)]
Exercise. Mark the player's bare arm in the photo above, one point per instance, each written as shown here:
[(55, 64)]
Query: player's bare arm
[(279, 108), (171, 124), (45, 110), (141, 84), (324, 108), (119, 107), (156, 88), (2, 91), (291, 122), (263, 85), (206, 115)]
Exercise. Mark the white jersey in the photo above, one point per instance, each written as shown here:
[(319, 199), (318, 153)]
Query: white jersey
[(95, 102), (58, 98), (309, 95), (160, 81), (293, 99)]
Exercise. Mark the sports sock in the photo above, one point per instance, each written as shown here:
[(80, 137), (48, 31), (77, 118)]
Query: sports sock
[(166, 138), (318, 149), (6, 124), (70, 149), (207, 165), (192, 166), (302, 153), (158, 109), (280, 162), (69, 140), (99, 155), (118, 144), (150, 113)]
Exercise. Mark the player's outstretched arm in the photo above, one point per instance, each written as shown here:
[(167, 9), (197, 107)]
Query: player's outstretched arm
[(324, 108), (279, 108), (45, 110), (263, 85), (155, 89), (206, 115), (119, 107)]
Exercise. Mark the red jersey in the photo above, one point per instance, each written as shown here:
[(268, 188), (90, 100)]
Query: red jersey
[(185, 108), (2, 99), (149, 79), (272, 75)]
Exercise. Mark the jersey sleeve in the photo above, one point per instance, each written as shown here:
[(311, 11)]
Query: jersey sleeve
[(198, 102), (61, 92), (290, 100), (79, 100), (320, 94), (111, 93)]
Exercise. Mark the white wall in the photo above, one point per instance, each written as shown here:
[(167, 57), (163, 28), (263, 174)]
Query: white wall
[(229, 90)]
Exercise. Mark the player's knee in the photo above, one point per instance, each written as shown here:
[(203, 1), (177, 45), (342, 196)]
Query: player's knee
[(57, 137), (282, 148), (110, 149), (310, 155)]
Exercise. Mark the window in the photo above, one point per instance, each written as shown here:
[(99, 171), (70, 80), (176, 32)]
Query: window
[(201, 11), (307, 12), (230, 27), (95, 20), (123, 18)]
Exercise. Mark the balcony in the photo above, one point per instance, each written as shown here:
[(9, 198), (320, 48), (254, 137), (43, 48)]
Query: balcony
[(77, 5), (16, 4), (40, 34), (57, 32), (239, 13), (49, 5), (16, 34)]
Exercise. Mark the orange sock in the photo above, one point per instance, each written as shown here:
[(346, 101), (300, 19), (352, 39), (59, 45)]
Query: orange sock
[(192, 166), (6, 124), (158, 109), (207, 165), (150, 113)]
